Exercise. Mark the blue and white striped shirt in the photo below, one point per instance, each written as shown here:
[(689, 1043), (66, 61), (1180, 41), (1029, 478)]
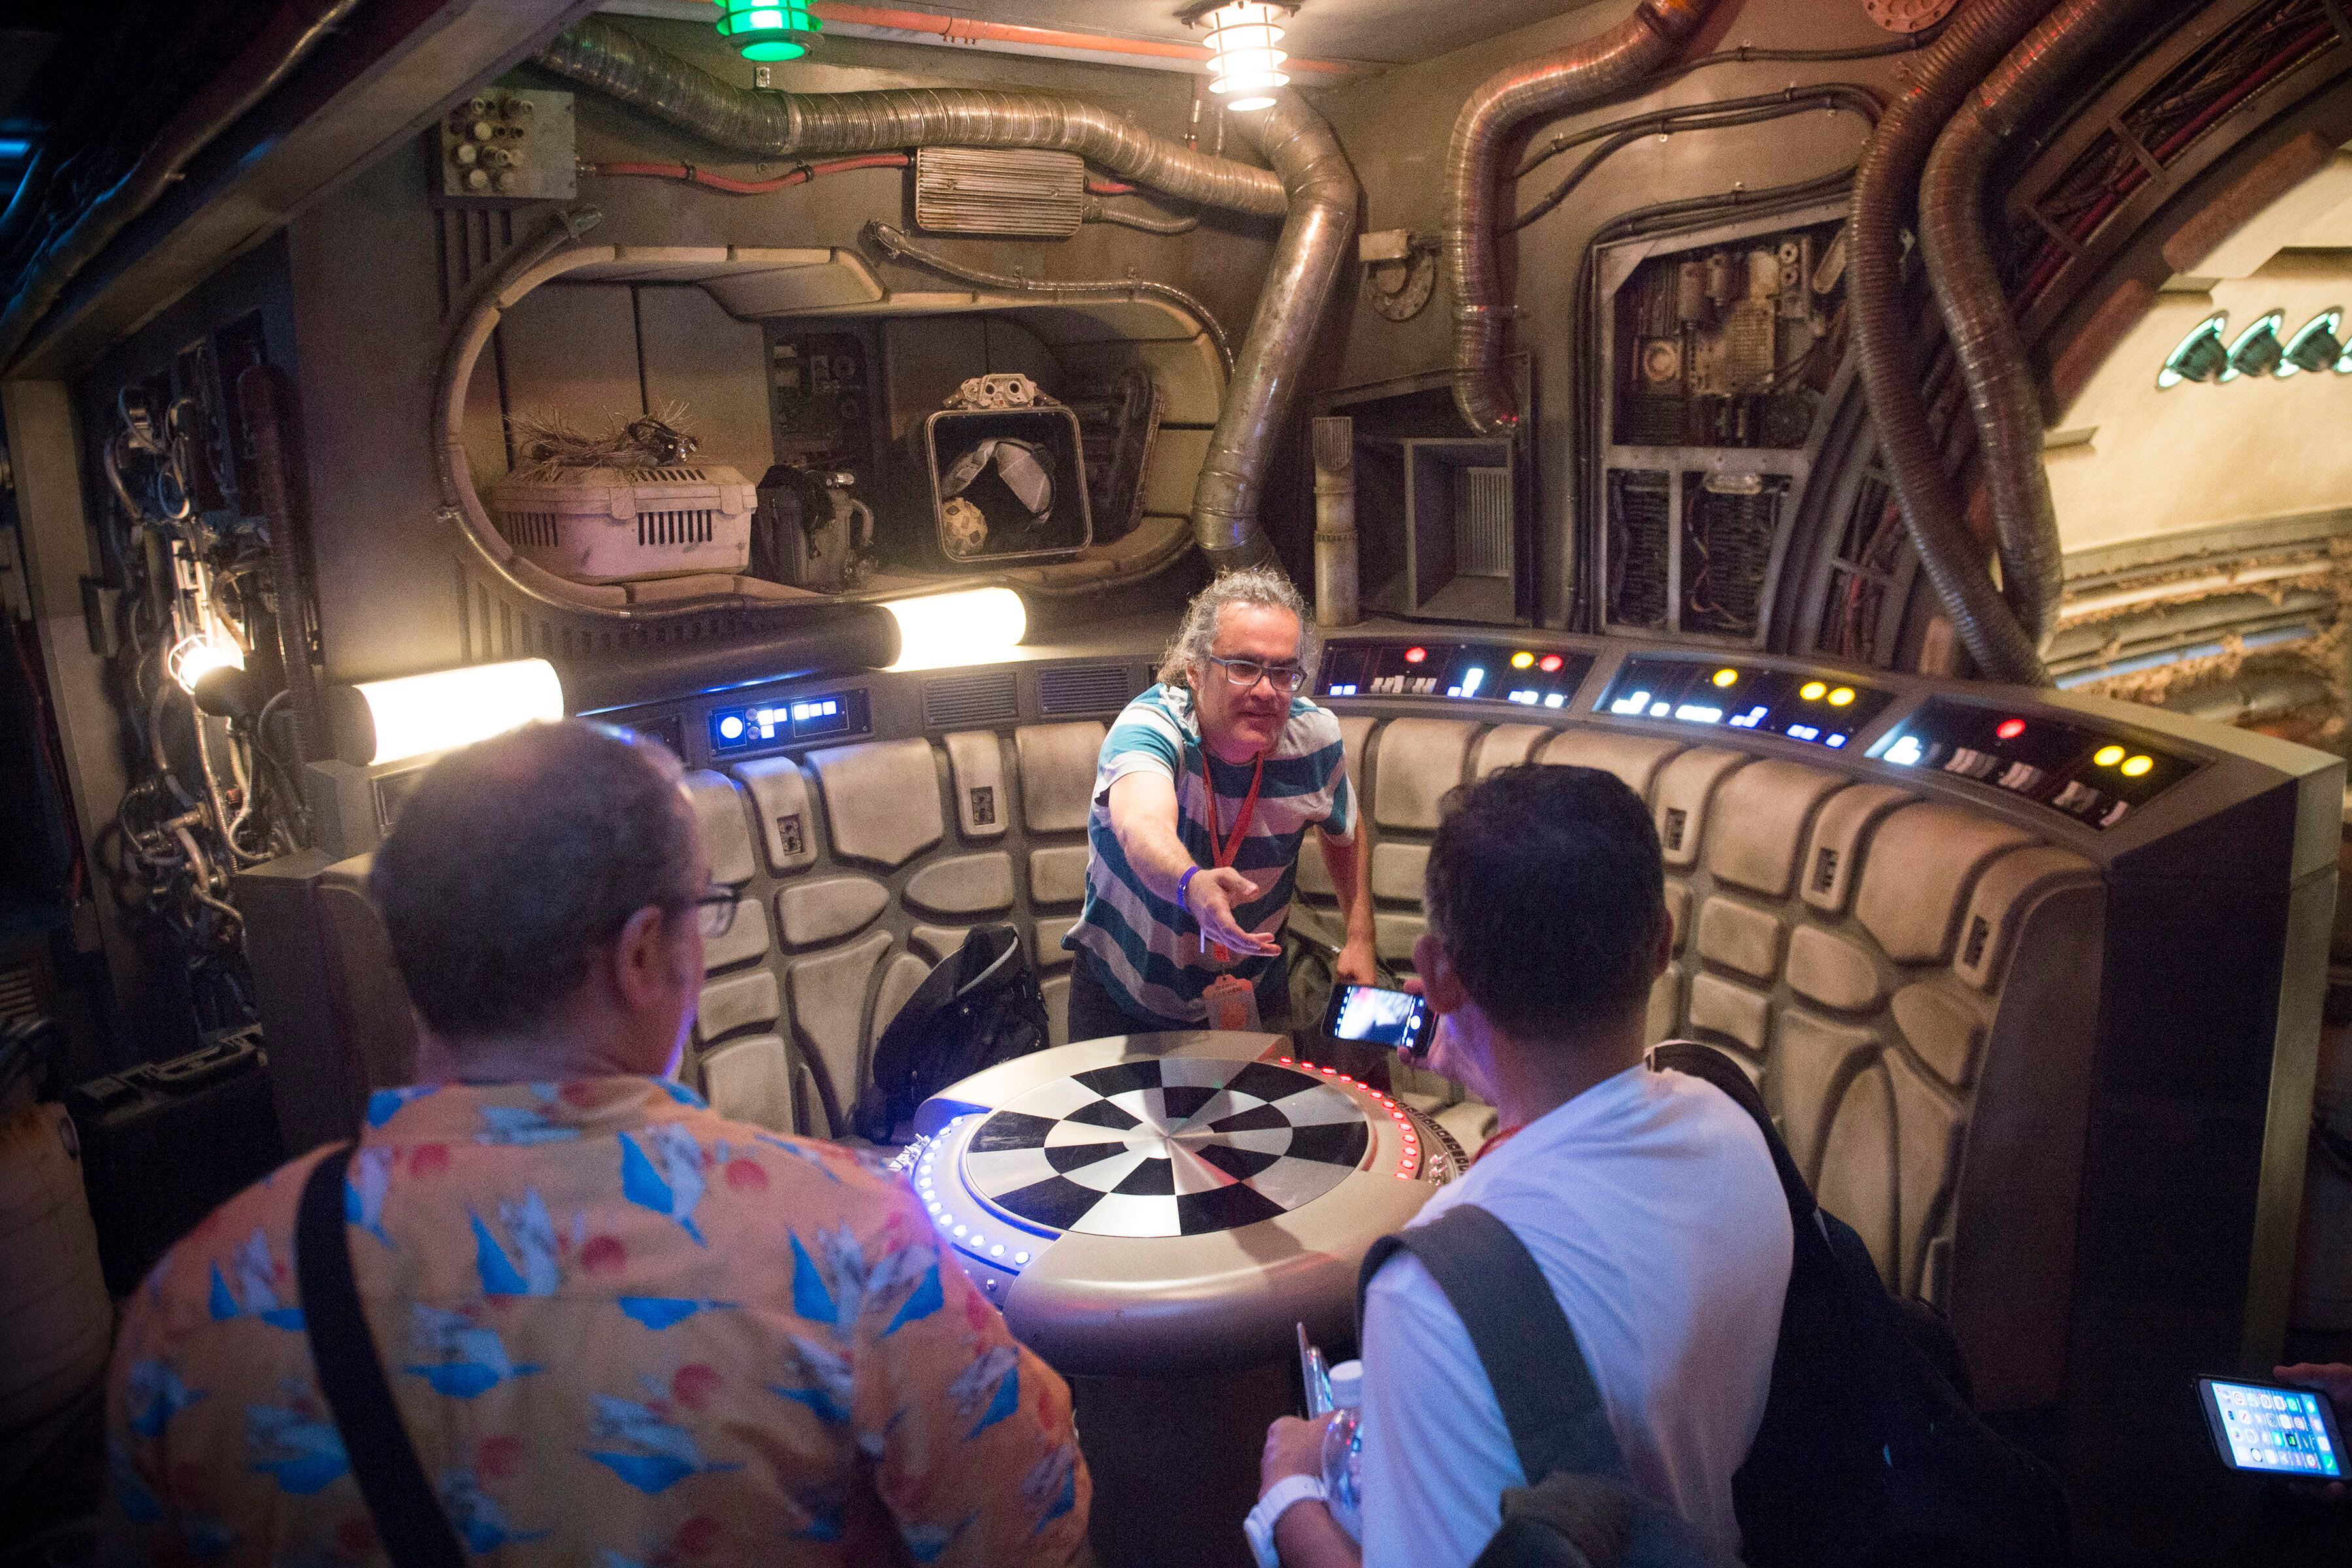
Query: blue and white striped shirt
[(1147, 948)]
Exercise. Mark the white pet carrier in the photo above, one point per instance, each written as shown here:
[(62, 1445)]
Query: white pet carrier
[(613, 525)]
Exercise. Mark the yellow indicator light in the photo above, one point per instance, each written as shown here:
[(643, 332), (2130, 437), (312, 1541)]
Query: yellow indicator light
[(1841, 696), (2137, 766), (1727, 676), (1522, 659), (2107, 756), (1811, 691)]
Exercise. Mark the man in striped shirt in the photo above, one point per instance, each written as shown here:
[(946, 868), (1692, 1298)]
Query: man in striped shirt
[(1207, 785)]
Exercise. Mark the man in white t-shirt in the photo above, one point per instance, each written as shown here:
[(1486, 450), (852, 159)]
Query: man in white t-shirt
[(1648, 1198)]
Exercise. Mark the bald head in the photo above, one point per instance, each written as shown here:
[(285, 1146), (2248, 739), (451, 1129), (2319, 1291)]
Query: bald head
[(515, 860)]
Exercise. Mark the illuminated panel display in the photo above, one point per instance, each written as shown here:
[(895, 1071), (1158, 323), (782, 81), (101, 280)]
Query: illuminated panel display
[(1453, 671), (2093, 775), (1820, 709), (741, 730)]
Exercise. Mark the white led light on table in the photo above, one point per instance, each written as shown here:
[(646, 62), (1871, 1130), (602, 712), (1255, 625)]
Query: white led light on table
[(973, 625), (419, 713)]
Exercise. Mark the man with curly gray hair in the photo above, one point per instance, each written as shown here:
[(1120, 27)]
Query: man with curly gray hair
[(1207, 784)]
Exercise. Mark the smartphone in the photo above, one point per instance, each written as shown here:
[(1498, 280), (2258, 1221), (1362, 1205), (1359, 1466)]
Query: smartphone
[(1375, 1016), (2270, 1429)]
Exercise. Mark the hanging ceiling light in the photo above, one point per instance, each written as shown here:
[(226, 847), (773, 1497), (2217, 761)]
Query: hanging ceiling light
[(2257, 351), (768, 29), (2200, 357), (2315, 345), (1243, 60), (196, 655)]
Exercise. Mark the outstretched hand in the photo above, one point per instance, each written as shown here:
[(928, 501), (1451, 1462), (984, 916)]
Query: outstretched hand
[(1210, 898)]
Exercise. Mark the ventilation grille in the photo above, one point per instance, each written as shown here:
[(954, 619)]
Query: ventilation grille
[(667, 477), (956, 701), (963, 190), (1482, 524), (531, 528), (687, 527), (16, 998), (1083, 688)]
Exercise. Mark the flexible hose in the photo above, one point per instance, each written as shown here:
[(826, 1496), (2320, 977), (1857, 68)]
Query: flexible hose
[(1885, 185), (1986, 344), (893, 242), (258, 393), (1150, 223), (1584, 72)]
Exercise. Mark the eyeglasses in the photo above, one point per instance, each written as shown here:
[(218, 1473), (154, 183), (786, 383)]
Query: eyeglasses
[(714, 912), (1247, 672)]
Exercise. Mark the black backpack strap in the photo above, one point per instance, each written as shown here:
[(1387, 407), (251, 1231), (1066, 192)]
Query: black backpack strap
[(1707, 1062), (408, 1517), (1524, 1340)]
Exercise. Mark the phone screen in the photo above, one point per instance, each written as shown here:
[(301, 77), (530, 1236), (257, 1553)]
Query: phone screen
[(1373, 1016), (2272, 1430)]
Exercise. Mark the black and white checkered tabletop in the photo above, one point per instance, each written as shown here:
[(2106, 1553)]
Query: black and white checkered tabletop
[(1176, 1146)]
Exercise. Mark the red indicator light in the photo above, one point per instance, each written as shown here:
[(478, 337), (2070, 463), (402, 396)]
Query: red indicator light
[(1549, 664), (2009, 729), (1415, 655)]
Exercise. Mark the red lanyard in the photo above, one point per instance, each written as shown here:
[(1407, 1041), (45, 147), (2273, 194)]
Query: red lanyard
[(1223, 851)]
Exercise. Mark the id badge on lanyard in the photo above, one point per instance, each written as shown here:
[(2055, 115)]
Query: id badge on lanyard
[(1222, 851)]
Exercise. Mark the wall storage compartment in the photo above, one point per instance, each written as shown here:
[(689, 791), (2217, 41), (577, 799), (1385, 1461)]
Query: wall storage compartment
[(1000, 485)]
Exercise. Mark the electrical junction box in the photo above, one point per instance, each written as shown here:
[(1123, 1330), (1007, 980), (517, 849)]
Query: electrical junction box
[(510, 144)]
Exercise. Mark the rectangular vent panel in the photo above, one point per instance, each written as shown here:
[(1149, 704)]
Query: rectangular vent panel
[(953, 702), (964, 190), (1083, 688)]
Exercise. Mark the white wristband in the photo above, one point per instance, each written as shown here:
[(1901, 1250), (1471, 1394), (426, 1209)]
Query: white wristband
[(1259, 1525)]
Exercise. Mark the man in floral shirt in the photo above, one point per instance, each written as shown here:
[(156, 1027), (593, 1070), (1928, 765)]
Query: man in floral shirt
[(619, 1329)]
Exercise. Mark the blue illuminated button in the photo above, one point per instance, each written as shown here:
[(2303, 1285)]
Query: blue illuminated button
[(731, 727)]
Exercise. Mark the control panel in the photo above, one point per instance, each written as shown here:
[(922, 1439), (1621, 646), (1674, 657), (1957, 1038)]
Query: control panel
[(2094, 775), (1820, 709), (749, 729), (1453, 671)]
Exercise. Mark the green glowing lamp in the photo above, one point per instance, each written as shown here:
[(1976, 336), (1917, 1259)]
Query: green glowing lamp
[(768, 29)]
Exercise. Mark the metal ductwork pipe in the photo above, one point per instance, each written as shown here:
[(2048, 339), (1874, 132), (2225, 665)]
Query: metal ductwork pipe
[(1307, 260), (1310, 183), (775, 125), (1986, 343), (1885, 186), (1568, 78), (1336, 577)]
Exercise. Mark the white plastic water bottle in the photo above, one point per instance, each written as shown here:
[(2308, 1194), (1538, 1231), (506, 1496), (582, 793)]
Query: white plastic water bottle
[(1343, 1448)]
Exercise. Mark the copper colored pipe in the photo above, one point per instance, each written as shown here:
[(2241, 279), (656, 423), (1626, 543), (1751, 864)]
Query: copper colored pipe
[(704, 177), (970, 30), (1586, 71)]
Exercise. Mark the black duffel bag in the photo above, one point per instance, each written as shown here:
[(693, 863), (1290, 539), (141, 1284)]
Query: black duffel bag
[(979, 1006)]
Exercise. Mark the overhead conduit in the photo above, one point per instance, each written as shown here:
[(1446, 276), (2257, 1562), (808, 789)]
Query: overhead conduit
[(1884, 185), (1310, 184), (1584, 72), (1986, 343)]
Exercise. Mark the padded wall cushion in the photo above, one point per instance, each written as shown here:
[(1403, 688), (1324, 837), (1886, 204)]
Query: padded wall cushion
[(1057, 875), (1998, 906), (1397, 868), (1049, 952), (1763, 812), (1313, 876), (1394, 935), (1857, 1166), (828, 994), (1506, 745), (737, 1001), (1834, 972), (1926, 1156), (935, 943), (1055, 990), (963, 884), (1740, 936), (1666, 1005), (1922, 858), (1731, 1011), (976, 764), (780, 798), (1826, 875), (726, 837), (1945, 1024), (1814, 1060), (1635, 759), (905, 971), (746, 939), (1678, 905), (882, 798), (751, 1080), (1685, 787), (812, 913), (1057, 774), (1420, 760)]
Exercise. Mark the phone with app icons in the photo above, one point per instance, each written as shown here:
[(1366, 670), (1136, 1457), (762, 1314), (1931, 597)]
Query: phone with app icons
[(2271, 1429)]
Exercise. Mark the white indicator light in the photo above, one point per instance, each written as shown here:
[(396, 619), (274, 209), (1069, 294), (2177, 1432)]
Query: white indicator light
[(935, 1208), (959, 1229), (1834, 742), (976, 626), (1660, 710), (1699, 713), (1526, 697), (1804, 732), (1630, 704), (1907, 751), (1020, 1258), (1557, 699), (731, 728), (996, 1251), (832, 707), (1472, 679), (420, 713)]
